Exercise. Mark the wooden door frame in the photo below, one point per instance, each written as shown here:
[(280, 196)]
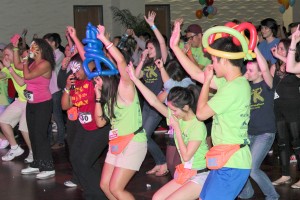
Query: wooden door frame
[(100, 7), (168, 28)]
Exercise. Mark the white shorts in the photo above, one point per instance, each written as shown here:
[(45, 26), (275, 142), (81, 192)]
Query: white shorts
[(15, 113), (131, 158)]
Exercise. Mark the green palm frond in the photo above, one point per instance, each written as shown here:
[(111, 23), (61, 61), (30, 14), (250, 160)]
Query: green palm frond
[(126, 19)]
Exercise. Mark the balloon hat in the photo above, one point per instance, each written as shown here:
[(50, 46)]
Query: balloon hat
[(239, 39), (93, 52)]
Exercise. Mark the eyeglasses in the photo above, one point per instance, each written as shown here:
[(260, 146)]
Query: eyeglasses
[(190, 38)]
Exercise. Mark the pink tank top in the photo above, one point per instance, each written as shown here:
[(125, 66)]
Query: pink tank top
[(37, 90)]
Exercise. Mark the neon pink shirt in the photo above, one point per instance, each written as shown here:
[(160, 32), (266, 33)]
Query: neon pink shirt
[(39, 89)]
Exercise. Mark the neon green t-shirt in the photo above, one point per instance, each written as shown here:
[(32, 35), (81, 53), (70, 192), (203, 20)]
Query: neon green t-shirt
[(198, 55), (231, 104), (128, 119), (193, 130), (19, 89), (3, 92)]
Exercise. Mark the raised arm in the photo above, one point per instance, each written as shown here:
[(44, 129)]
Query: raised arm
[(275, 53), (163, 47), (264, 68), (126, 86), (148, 95), (99, 119), (203, 110), (139, 42), (191, 68), (291, 65), (70, 41), (23, 36), (16, 57), (40, 70), (72, 32), (164, 75), (138, 71), (66, 102)]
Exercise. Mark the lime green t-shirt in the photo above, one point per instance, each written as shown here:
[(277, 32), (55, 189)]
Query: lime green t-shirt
[(193, 130), (3, 92), (198, 55), (128, 119), (19, 89), (231, 105)]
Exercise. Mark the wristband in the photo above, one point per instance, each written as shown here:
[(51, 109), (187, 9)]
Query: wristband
[(189, 52), (98, 100), (110, 45), (153, 27), (15, 49), (67, 91), (291, 49)]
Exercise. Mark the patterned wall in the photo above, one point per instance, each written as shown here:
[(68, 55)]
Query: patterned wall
[(41, 16), (249, 10)]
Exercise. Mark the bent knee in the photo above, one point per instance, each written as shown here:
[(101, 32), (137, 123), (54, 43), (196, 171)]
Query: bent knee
[(104, 185)]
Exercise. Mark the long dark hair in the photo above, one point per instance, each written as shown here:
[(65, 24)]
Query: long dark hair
[(180, 96), (156, 45), (46, 51), (109, 94), (175, 70), (286, 43)]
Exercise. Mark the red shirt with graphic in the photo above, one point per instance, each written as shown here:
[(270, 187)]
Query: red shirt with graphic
[(83, 97)]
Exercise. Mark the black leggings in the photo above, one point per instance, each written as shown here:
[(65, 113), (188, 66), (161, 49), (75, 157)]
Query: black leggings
[(38, 117), (285, 130), (85, 150)]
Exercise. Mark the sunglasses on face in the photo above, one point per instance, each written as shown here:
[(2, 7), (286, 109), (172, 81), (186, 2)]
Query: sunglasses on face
[(190, 37)]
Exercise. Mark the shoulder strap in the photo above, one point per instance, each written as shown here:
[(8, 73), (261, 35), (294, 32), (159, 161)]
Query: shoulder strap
[(139, 130)]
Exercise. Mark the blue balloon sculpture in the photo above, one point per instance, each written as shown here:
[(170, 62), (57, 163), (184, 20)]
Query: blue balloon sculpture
[(93, 52)]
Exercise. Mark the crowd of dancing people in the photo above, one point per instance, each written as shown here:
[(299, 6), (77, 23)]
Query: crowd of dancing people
[(210, 103)]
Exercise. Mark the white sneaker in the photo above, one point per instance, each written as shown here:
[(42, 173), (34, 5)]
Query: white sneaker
[(12, 153), (30, 170), (70, 184), (3, 144), (45, 174), (29, 158)]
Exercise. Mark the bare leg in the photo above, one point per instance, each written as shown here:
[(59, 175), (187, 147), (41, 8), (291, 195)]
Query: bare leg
[(118, 182), (166, 190), (9, 134), (105, 180), (190, 190), (2, 137), (27, 140)]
